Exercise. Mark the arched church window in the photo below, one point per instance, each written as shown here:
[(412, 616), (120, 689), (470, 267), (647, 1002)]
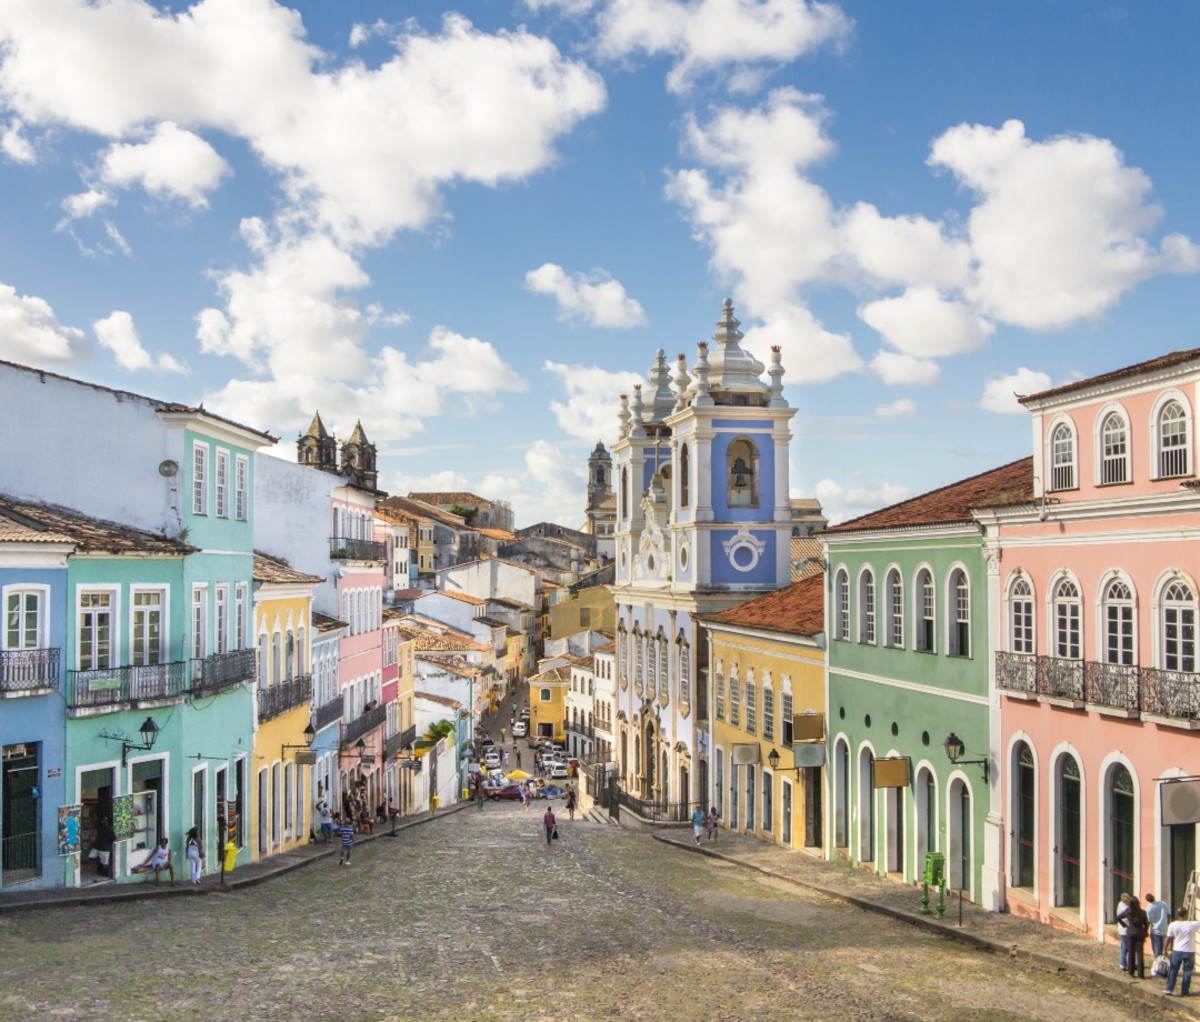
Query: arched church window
[(684, 477), (742, 471)]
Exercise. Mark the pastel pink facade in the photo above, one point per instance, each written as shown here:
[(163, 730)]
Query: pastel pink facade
[(1094, 621)]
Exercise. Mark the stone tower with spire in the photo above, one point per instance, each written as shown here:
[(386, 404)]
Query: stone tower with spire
[(358, 459), (317, 448), (601, 502), (703, 522)]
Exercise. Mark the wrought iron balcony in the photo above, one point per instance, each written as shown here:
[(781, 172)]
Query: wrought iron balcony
[(26, 670), (1174, 694), (328, 712), (220, 671), (343, 548), (400, 740), (1112, 685), (361, 725), (585, 730), (1060, 678), (111, 686), (285, 696), (1015, 672)]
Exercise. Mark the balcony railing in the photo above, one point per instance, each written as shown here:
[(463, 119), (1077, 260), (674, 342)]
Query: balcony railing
[(1170, 693), (111, 686), (355, 729), (400, 740), (342, 548), (20, 858), (585, 730), (223, 670), (25, 670), (1112, 685), (328, 712), (1150, 690), (283, 697)]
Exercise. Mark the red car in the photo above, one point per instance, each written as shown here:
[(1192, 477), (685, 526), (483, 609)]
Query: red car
[(509, 793)]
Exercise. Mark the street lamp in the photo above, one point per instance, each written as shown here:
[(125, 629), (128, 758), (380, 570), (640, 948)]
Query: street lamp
[(309, 735), (773, 758), (954, 752), (149, 733)]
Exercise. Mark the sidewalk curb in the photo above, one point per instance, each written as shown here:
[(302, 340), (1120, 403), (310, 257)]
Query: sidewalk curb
[(1129, 987), (51, 898)]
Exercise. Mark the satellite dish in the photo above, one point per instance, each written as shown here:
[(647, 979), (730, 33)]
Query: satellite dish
[(168, 468)]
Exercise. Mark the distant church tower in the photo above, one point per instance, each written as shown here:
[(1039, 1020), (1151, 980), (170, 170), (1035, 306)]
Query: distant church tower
[(601, 502), (358, 459), (317, 448), (703, 523)]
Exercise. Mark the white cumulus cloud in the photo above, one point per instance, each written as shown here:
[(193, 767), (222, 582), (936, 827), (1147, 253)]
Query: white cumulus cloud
[(117, 333), (593, 399), (1000, 392), (841, 502), (172, 163), (899, 370), (594, 298), (897, 408), (924, 324), (30, 333)]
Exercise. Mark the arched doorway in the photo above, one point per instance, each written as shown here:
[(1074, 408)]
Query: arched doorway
[(1120, 837), (925, 815), (866, 806), (841, 796), (1024, 817), (648, 764), (685, 791), (1069, 833), (895, 829), (663, 777), (958, 836)]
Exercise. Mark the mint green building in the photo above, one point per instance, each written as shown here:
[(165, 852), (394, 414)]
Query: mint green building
[(909, 687)]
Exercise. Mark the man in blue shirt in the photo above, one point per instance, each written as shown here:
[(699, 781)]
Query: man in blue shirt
[(346, 833), (1159, 915), (698, 818)]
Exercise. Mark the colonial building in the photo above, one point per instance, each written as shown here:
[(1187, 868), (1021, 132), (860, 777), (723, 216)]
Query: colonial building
[(1094, 606), (601, 508), (703, 523), (909, 689), (767, 659)]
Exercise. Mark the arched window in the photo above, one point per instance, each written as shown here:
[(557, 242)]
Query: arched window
[(1114, 449), (1024, 817), (895, 608), (684, 477), (842, 608), (742, 472), (1020, 617), (1179, 628), (1066, 621), (960, 629), (1173, 457), (1118, 624), (1069, 835), (925, 611), (1122, 834), (866, 607), (1062, 458)]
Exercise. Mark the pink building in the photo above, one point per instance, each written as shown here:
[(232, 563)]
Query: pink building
[(1094, 602)]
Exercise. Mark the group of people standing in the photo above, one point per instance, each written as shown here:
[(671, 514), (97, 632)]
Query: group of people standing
[(1172, 943), (702, 821)]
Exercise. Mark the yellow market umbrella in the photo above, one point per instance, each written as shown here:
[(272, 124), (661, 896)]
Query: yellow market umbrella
[(518, 775)]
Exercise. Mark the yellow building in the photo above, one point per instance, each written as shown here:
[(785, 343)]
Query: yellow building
[(281, 792), (406, 676), (548, 701), (766, 757), (591, 609)]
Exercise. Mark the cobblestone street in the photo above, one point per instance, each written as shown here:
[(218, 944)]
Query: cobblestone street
[(473, 917)]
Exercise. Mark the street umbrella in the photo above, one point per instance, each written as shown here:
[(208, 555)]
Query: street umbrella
[(518, 775)]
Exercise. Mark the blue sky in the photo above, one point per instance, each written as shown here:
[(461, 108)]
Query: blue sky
[(471, 225)]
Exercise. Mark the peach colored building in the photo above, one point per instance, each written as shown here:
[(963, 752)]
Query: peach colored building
[(1093, 620)]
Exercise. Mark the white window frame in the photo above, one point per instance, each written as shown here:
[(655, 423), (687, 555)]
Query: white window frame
[(958, 599), (719, 678), (751, 692), (1066, 611), (199, 478), (894, 593), (1177, 452), (199, 621), (1183, 657), (241, 498), (1112, 452), (42, 613), (924, 609), (114, 633), (221, 471), (241, 593), (1064, 473), (163, 622), (841, 592), (1125, 617), (735, 697), (1022, 630), (866, 607), (768, 709), (221, 616)]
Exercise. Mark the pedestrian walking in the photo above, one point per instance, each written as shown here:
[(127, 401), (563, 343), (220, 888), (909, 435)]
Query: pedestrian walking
[(502, 736), (326, 817), (526, 795), (518, 757), (571, 801), (1159, 915), (551, 826), (479, 793), (1181, 946), (102, 846), (1136, 926), (711, 823), (346, 833), (194, 851), (505, 757), (699, 818)]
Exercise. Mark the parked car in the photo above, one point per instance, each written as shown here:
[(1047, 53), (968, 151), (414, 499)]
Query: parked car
[(509, 793), (491, 758), (558, 770), (520, 729)]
